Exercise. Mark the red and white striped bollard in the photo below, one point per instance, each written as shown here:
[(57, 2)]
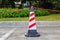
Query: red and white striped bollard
[(32, 32)]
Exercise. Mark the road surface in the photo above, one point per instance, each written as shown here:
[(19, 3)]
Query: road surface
[(18, 33)]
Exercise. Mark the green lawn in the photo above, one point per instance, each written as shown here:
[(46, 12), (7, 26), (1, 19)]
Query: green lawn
[(52, 17)]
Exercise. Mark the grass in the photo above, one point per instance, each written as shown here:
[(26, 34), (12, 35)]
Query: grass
[(52, 17), (14, 19)]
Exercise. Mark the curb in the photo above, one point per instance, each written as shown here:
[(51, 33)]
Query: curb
[(25, 23)]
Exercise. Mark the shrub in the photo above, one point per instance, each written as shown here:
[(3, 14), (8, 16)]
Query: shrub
[(41, 12), (7, 13)]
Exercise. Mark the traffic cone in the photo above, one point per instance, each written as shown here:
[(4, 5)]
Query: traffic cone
[(32, 32)]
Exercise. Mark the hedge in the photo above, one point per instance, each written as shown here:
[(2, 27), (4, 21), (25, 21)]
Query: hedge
[(8, 13)]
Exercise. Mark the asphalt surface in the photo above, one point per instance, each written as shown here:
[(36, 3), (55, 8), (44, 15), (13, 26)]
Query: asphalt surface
[(4, 30), (47, 33)]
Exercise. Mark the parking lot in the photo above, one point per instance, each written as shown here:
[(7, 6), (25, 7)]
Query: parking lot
[(46, 33)]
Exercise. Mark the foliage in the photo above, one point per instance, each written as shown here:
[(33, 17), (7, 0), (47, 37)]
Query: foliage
[(57, 7), (9, 13), (42, 12)]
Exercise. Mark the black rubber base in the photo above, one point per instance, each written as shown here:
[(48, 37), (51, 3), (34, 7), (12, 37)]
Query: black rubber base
[(32, 33)]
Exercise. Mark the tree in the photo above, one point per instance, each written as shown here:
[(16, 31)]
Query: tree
[(3, 3), (11, 2)]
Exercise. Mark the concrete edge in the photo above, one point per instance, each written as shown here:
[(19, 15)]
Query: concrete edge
[(25, 23)]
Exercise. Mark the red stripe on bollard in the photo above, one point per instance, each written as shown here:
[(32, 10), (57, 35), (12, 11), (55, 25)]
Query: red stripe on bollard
[(31, 14), (31, 19), (32, 25)]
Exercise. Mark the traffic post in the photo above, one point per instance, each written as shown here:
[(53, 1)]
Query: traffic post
[(32, 32)]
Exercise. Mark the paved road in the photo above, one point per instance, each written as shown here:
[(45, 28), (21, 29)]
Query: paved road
[(47, 33), (4, 30)]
